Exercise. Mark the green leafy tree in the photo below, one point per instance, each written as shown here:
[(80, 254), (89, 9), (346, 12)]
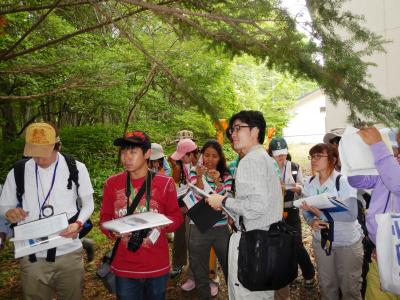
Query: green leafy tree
[(266, 90)]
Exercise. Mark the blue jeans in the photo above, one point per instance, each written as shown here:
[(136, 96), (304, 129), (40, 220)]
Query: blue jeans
[(141, 288)]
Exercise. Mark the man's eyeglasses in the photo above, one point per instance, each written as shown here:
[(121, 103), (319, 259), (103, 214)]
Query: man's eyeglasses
[(316, 156), (236, 128)]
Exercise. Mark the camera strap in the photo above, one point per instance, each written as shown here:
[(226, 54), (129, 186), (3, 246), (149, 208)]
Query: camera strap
[(146, 187)]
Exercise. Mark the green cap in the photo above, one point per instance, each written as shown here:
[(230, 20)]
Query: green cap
[(278, 146)]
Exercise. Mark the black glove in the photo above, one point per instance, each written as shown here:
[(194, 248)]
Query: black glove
[(136, 239)]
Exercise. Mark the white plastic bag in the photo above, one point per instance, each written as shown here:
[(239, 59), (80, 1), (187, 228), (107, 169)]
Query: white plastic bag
[(388, 251)]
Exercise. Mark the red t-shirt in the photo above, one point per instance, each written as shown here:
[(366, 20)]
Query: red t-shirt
[(149, 260)]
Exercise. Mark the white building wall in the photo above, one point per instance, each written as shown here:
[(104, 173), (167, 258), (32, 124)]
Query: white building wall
[(308, 122)]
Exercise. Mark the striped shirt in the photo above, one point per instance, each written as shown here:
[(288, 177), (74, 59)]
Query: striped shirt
[(224, 189)]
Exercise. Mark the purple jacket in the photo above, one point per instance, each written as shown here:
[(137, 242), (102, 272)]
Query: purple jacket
[(388, 180)]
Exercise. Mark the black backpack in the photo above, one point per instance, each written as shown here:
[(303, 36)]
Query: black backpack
[(19, 176)]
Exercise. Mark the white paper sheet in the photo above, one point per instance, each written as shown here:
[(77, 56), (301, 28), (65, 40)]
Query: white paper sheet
[(182, 190), (321, 201), (198, 190), (136, 222), (26, 247), (289, 186), (189, 200), (41, 228), (356, 156)]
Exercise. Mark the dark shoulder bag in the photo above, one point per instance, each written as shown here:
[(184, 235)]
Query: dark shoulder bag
[(267, 259), (104, 270)]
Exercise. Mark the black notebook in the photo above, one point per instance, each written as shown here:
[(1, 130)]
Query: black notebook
[(204, 216)]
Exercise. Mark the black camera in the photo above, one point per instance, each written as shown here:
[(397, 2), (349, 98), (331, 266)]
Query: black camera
[(136, 239)]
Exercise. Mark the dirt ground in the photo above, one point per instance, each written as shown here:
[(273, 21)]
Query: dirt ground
[(297, 289)]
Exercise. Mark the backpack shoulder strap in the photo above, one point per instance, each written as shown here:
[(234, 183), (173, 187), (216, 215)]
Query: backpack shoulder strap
[(294, 167), (337, 183), (19, 176), (73, 171)]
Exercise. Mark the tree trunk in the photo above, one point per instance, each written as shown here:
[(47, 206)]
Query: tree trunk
[(9, 128)]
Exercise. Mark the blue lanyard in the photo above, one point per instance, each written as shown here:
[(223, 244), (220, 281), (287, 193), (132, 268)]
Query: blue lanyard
[(51, 187)]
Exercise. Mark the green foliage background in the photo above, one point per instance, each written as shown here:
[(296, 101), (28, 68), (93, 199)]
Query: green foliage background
[(103, 73)]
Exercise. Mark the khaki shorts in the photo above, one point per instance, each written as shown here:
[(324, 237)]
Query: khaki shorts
[(62, 278)]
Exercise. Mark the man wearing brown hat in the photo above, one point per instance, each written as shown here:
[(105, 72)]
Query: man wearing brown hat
[(57, 271)]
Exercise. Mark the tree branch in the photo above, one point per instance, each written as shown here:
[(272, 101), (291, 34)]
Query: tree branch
[(74, 85), (40, 20), (41, 69), (42, 7), (200, 101), (67, 36), (70, 35), (142, 91), (170, 10)]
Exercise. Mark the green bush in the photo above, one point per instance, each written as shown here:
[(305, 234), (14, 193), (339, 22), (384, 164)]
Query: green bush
[(93, 146)]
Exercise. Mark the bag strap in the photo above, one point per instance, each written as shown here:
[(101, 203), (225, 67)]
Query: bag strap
[(146, 186), (387, 202), (330, 237), (294, 167), (73, 177), (242, 227), (337, 182), (73, 171), (19, 176)]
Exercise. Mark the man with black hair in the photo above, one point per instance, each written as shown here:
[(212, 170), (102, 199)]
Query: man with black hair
[(141, 261), (47, 192), (257, 192)]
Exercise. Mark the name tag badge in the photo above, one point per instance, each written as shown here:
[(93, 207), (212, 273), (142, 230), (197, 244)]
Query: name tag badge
[(154, 234)]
